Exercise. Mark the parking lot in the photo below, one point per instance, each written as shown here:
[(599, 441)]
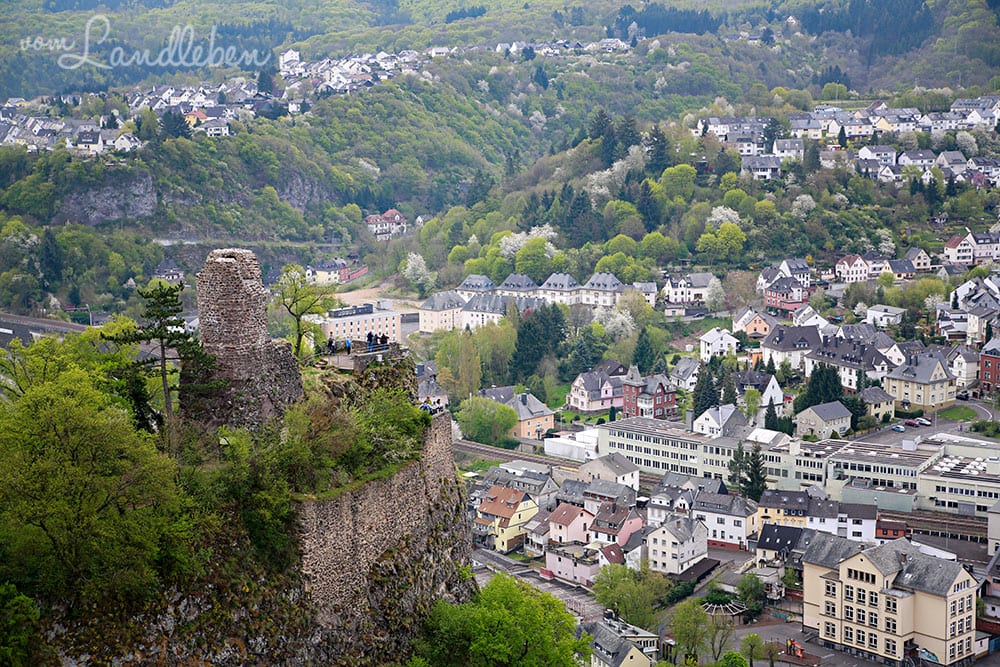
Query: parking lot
[(886, 436)]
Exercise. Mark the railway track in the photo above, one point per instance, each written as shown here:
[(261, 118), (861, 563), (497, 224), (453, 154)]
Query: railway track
[(941, 524)]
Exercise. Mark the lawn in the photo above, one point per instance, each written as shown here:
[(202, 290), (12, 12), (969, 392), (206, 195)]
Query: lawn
[(557, 396), (959, 413)]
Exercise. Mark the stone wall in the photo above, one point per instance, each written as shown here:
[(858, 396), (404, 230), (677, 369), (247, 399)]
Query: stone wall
[(375, 559), (262, 374)]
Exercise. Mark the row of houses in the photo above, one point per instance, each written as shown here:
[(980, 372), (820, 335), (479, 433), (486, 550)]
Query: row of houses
[(478, 300)]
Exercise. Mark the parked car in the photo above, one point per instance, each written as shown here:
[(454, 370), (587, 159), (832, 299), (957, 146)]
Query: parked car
[(924, 421), (899, 428), (962, 395), (912, 422)]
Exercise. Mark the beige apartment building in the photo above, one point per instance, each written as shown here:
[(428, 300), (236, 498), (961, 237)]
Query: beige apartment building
[(889, 603)]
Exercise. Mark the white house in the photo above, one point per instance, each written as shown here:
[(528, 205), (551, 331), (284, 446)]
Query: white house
[(730, 520), (612, 467), (717, 342), (676, 545), (883, 316)]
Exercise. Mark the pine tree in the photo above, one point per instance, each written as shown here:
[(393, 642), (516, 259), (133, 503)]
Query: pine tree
[(161, 324), (50, 259), (737, 467), (842, 138), (728, 389), (771, 370), (755, 480), (705, 395), (643, 356), (771, 417)]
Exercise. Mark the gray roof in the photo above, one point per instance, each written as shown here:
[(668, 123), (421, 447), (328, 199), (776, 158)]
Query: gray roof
[(901, 266), (475, 282), (822, 508), (786, 500), (791, 338), (520, 282), (778, 538), (685, 367), (872, 395), (830, 411), (615, 463), (918, 368), (443, 301), (913, 253), (497, 304), (605, 282), (829, 550), (925, 573), (723, 503), (680, 527), (560, 281)]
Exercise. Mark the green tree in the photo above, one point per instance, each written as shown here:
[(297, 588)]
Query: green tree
[(631, 595), (174, 125), (728, 388), (752, 646), (643, 356), (750, 590), (294, 294), (691, 629), (161, 324), (50, 259), (824, 386), (737, 467), (731, 659), (460, 368), (751, 403), (84, 499), (486, 421), (755, 471), (18, 627), (533, 260), (508, 623), (705, 395), (678, 181)]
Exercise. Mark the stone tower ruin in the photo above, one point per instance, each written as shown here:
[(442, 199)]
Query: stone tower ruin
[(262, 375)]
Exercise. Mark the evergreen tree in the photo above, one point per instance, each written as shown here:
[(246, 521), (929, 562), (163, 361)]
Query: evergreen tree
[(737, 467), (728, 389), (612, 414), (771, 370), (50, 259), (643, 356), (161, 324), (174, 125), (705, 395), (659, 152), (842, 137), (824, 386), (755, 480), (771, 417), (989, 331)]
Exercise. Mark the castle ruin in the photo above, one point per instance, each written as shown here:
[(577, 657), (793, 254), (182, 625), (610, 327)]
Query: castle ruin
[(262, 375)]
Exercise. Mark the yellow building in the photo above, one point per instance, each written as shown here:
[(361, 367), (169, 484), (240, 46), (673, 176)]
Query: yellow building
[(783, 508), (922, 382), (888, 603), (501, 518)]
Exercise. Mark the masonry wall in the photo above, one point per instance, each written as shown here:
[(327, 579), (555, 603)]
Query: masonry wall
[(375, 559)]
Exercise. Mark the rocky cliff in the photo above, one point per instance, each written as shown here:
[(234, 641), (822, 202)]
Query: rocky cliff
[(374, 559)]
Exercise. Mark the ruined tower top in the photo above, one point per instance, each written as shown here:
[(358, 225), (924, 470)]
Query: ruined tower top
[(262, 374)]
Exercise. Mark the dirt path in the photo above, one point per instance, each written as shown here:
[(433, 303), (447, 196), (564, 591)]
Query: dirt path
[(374, 293)]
